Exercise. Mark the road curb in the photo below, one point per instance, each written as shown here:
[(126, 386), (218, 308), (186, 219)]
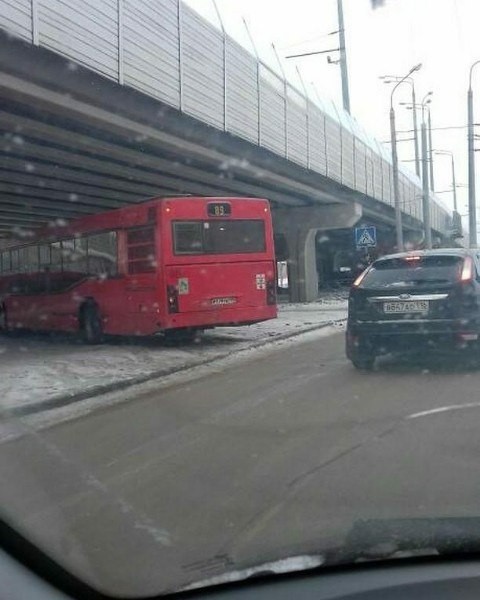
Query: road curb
[(114, 386)]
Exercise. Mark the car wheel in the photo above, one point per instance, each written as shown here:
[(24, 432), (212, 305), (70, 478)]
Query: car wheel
[(364, 363), (91, 324)]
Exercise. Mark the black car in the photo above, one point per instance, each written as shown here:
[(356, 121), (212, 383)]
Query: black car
[(414, 302)]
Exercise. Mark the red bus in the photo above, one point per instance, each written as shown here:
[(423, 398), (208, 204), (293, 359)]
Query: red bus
[(171, 265)]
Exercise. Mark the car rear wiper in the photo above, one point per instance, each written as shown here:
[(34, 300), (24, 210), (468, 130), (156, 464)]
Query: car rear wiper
[(438, 280)]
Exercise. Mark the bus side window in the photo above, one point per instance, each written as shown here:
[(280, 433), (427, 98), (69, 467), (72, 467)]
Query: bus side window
[(31, 259), (14, 257), (55, 257), (75, 255), (6, 264), (44, 257), (102, 253), (141, 250)]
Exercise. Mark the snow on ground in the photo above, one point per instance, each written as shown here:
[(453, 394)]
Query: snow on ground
[(40, 370)]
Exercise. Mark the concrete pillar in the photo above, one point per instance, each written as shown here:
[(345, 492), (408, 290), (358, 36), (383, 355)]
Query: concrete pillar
[(299, 225), (302, 265)]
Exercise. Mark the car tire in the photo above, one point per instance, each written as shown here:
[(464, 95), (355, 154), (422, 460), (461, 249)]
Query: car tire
[(91, 324), (363, 363)]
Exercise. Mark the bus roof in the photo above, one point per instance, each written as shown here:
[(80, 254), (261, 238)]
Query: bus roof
[(132, 215)]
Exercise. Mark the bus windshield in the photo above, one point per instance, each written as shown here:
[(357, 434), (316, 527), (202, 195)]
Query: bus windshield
[(239, 236)]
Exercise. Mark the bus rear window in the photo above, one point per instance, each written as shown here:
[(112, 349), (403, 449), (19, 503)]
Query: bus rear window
[(219, 237)]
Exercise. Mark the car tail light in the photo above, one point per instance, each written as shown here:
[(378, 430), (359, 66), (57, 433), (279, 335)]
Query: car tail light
[(352, 340), (172, 299), (466, 274), (467, 337), (271, 292), (360, 278)]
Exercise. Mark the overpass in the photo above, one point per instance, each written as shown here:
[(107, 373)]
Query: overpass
[(109, 102)]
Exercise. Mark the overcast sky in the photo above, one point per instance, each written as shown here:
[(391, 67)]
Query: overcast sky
[(441, 34)]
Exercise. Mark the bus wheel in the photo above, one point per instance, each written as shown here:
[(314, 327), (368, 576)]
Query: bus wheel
[(3, 319), (180, 336), (91, 324)]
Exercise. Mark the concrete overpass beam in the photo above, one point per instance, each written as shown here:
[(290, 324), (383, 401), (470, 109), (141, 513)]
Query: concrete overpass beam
[(299, 226)]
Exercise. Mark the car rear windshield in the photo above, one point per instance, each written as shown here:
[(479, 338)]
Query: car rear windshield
[(239, 236), (404, 272)]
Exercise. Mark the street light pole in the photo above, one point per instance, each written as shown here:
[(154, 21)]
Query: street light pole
[(343, 57), (396, 190), (425, 191), (415, 132), (410, 80), (472, 208), (454, 182), (430, 153)]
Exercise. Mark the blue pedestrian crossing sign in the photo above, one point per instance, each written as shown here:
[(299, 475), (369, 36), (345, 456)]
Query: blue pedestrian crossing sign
[(366, 237)]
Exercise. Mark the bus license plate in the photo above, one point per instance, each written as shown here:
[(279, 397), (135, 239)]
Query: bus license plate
[(223, 301), (402, 307)]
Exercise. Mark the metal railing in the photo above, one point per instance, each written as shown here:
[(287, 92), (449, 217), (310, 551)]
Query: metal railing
[(168, 51)]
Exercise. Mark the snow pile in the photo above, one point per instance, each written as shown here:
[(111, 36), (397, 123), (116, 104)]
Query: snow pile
[(35, 369)]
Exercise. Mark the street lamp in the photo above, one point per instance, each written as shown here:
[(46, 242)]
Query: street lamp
[(454, 183), (424, 106), (396, 191), (392, 79), (472, 208), (425, 191), (457, 220)]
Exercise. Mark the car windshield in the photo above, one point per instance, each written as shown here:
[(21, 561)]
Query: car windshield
[(398, 272), (239, 287)]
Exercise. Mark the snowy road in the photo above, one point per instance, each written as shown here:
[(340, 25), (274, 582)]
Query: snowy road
[(273, 455), (37, 371)]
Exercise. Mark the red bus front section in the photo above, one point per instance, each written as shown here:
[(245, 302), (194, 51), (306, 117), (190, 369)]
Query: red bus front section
[(166, 264)]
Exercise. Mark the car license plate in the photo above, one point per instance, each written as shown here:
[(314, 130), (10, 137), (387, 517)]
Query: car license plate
[(406, 306)]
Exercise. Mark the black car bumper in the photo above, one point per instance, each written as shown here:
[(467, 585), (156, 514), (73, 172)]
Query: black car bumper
[(373, 338)]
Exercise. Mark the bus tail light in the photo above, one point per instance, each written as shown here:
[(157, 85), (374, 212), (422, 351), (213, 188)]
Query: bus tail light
[(172, 299), (271, 292)]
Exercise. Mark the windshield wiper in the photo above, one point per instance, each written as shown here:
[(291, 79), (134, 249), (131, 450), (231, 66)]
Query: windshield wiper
[(276, 567), (373, 539)]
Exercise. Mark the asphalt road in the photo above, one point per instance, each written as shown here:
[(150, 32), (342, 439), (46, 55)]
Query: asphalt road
[(272, 457)]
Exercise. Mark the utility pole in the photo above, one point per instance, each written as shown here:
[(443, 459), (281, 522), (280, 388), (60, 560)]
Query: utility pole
[(394, 78), (454, 185), (415, 130), (396, 190), (472, 207), (343, 57), (430, 153), (396, 187), (426, 192)]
